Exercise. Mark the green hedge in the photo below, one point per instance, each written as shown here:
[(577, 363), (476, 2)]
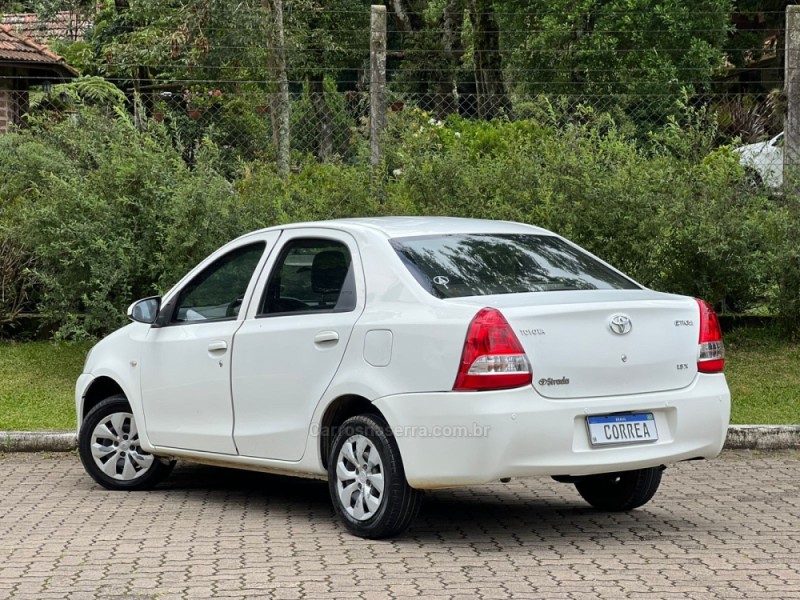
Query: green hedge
[(110, 213)]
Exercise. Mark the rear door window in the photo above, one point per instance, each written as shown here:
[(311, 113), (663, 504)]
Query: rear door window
[(452, 266), (311, 276)]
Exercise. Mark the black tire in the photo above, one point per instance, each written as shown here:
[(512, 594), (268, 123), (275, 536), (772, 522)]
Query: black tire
[(614, 492), (753, 179), (145, 477), (399, 502)]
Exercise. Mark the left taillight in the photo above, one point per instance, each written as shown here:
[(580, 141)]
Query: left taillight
[(711, 353), (493, 358)]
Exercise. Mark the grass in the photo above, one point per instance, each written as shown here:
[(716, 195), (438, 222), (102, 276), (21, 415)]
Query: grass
[(37, 380), (763, 372), (37, 384)]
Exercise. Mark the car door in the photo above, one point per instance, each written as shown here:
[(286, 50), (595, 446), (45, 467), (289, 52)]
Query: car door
[(185, 371), (286, 355)]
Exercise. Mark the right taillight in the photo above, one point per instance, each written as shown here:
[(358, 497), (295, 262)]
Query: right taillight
[(711, 353), (493, 358)]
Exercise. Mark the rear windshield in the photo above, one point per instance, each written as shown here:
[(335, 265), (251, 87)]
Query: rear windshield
[(452, 266)]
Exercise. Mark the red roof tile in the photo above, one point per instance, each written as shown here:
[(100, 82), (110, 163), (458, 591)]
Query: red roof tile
[(24, 51), (63, 25)]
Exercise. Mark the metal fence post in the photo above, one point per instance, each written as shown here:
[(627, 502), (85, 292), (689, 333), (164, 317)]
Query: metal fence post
[(377, 83)]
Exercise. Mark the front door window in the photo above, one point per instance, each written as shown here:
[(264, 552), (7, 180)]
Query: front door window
[(217, 292)]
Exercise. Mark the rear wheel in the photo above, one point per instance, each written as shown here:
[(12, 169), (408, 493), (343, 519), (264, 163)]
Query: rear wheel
[(367, 482), (110, 452), (620, 491), (753, 178)]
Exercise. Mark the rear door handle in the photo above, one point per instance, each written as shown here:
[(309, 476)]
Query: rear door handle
[(218, 346), (326, 336)]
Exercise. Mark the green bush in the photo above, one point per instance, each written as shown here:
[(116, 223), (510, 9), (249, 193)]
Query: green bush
[(107, 213), (312, 192), (786, 302), (673, 214), (110, 214)]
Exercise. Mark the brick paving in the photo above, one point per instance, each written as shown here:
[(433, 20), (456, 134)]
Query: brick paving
[(729, 528)]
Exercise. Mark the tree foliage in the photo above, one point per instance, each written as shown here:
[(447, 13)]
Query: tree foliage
[(642, 53)]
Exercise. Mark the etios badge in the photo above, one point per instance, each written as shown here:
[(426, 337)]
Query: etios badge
[(620, 324)]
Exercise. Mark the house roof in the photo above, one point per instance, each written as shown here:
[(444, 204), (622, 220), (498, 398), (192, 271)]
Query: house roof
[(64, 25), (18, 51)]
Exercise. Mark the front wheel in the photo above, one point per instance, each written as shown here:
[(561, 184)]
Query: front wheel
[(367, 482), (108, 444), (622, 491)]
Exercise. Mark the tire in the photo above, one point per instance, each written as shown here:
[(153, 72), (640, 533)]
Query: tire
[(124, 465), (753, 179), (615, 492), (366, 510)]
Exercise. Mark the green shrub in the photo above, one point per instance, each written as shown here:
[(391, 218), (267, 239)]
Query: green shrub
[(312, 192), (121, 216), (108, 213), (672, 214), (17, 281), (786, 302)]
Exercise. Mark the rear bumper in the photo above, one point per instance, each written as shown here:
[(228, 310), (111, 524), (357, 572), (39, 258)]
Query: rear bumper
[(464, 438)]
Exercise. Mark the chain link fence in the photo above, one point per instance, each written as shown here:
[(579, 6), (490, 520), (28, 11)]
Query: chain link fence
[(334, 124), (226, 86)]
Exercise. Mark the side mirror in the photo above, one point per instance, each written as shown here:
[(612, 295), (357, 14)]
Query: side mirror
[(165, 313), (145, 311)]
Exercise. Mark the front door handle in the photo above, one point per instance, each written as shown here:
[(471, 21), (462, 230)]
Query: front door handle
[(218, 346), (326, 336)]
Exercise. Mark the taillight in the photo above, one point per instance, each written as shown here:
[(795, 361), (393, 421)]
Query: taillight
[(493, 358), (711, 355)]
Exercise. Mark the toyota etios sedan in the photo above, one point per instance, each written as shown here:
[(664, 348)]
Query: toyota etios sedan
[(396, 355)]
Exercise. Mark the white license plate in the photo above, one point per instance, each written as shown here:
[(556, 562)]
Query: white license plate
[(622, 429)]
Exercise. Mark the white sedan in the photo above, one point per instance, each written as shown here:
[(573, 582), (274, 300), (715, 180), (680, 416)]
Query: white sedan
[(396, 355), (764, 161)]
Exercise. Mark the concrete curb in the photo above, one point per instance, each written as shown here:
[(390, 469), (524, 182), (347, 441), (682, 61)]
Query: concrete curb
[(740, 437), (38, 441), (763, 437)]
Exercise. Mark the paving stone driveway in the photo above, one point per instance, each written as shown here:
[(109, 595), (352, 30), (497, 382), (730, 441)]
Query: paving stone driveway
[(723, 529)]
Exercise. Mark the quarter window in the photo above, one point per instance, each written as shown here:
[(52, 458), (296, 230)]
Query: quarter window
[(311, 275), (218, 291)]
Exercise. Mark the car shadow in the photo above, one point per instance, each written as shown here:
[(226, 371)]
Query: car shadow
[(499, 514), (524, 516)]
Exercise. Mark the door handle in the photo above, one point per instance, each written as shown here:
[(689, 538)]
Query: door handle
[(218, 346), (326, 336)]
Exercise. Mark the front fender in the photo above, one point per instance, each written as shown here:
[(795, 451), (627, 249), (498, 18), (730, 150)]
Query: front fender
[(117, 357)]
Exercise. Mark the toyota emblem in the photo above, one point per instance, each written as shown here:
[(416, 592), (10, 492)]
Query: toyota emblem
[(620, 324)]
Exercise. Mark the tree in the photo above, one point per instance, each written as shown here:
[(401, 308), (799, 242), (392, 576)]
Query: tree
[(619, 50), (326, 37), (280, 98), (488, 61), (443, 59), (754, 22)]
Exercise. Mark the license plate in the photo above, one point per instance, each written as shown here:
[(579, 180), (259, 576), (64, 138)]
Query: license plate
[(622, 429)]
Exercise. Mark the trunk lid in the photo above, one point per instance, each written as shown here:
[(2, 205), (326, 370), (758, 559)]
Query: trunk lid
[(603, 343)]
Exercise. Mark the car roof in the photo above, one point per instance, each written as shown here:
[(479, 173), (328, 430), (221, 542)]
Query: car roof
[(395, 227)]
